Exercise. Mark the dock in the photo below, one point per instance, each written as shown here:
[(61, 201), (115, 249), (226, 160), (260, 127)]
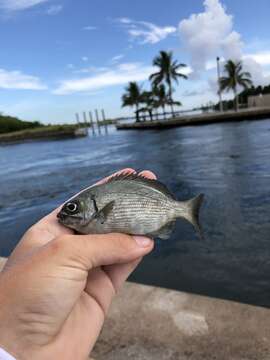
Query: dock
[(199, 119), (152, 323)]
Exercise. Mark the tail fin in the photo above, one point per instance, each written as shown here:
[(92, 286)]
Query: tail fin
[(191, 214)]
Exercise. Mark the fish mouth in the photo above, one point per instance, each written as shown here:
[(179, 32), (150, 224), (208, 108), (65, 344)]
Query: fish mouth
[(63, 216)]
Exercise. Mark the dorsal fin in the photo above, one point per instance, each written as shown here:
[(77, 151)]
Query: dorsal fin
[(144, 180)]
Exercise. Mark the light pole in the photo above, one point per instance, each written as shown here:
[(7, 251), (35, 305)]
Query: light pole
[(219, 89)]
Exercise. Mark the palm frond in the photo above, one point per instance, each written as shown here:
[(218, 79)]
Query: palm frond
[(234, 76), (183, 76)]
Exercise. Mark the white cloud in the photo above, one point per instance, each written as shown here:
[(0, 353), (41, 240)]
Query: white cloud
[(125, 20), (210, 34), (146, 32), (54, 9), (89, 28), (259, 75), (121, 74), (106, 77), (16, 5), (18, 80), (116, 58), (188, 93), (256, 63), (90, 69), (85, 58), (261, 57)]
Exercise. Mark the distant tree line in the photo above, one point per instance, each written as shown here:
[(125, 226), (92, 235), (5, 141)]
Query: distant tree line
[(253, 91), (243, 96), (10, 124)]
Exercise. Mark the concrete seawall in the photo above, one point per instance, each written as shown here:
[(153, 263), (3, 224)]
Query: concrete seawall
[(67, 132), (150, 323), (201, 119)]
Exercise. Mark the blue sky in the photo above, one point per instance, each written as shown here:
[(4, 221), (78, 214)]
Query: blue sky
[(59, 57)]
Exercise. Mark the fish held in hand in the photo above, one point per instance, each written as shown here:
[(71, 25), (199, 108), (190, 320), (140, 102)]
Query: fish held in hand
[(131, 204)]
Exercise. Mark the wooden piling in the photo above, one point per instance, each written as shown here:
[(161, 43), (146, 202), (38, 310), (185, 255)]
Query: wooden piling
[(98, 124), (77, 119), (84, 118), (104, 121), (92, 123)]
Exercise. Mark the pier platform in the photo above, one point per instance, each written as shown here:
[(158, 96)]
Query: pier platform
[(199, 119)]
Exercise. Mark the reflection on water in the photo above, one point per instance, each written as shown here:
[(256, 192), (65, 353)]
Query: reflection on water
[(227, 162)]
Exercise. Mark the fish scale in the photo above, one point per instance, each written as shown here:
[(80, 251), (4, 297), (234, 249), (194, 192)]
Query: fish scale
[(131, 204)]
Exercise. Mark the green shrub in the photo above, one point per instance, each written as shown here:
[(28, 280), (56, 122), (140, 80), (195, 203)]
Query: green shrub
[(10, 124)]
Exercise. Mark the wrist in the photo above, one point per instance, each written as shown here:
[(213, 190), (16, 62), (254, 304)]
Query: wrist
[(11, 331), (15, 351), (9, 347)]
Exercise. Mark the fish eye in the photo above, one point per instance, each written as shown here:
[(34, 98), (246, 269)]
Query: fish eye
[(71, 207)]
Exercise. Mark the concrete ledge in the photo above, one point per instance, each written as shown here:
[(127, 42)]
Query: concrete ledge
[(200, 119), (150, 323)]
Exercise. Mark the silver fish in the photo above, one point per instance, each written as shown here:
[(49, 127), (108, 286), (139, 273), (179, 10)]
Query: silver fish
[(131, 204)]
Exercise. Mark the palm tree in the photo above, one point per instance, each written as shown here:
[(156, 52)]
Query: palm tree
[(132, 97), (168, 72), (172, 102), (161, 97), (155, 98), (148, 99), (234, 77)]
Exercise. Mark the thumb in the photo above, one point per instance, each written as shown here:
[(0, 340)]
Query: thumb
[(90, 251), (56, 274)]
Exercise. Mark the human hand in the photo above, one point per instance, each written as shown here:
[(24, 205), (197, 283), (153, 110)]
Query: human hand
[(57, 287)]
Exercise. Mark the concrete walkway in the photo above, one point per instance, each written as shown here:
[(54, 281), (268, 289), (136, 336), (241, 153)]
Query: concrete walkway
[(199, 119), (150, 323)]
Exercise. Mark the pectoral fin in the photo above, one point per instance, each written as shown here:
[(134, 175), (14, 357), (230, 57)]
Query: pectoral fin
[(102, 214)]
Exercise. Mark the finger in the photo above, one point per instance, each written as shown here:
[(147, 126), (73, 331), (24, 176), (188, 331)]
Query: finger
[(148, 174), (35, 237), (91, 251), (119, 273), (123, 171), (104, 282)]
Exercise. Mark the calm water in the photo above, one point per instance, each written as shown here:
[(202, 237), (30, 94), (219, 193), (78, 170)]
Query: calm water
[(230, 163)]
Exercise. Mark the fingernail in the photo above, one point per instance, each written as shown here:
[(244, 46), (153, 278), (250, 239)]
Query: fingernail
[(142, 241)]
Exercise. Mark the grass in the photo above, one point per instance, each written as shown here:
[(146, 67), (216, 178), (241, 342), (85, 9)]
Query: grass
[(44, 132)]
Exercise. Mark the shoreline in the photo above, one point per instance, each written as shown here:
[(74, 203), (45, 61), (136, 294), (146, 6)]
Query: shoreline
[(54, 132), (201, 119)]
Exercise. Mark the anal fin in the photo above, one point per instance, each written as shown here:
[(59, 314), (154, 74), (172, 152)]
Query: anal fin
[(164, 232)]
